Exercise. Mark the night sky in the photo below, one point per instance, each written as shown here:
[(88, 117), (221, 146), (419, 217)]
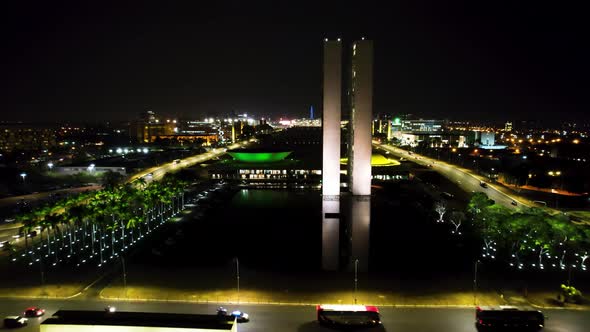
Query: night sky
[(493, 60)]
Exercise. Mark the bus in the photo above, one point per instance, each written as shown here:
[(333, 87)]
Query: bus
[(508, 318), (348, 315)]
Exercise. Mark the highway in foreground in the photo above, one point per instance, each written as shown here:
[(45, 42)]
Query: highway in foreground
[(464, 178), (302, 318)]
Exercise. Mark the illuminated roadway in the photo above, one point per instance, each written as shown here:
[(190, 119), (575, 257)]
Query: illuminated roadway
[(287, 318), (8, 230), (462, 177), (159, 171)]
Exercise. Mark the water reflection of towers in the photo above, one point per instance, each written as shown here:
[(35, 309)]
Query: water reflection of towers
[(345, 236)]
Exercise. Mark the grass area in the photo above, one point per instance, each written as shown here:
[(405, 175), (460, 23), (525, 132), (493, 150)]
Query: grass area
[(17, 280), (194, 285), (218, 286)]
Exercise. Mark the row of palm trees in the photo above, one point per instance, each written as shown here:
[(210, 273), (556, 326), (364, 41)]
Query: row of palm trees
[(99, 226)]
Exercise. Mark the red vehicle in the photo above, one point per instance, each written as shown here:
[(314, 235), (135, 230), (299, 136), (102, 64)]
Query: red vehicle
[(348, 315), (34, 312)]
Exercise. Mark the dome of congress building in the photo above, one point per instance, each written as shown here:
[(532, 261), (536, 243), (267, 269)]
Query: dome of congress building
[(258, 155)]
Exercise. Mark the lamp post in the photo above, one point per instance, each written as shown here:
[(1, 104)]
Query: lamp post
[(238, 277), (124, 276), (41, 272), (356, 267), (475, 283), (23, 175), (50, 165)]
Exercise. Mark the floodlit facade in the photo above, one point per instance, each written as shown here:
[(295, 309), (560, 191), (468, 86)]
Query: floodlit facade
[(361, 118), (331, 119)]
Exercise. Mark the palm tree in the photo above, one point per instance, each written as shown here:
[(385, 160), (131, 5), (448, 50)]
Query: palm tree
[(51, 222), (141, 183), (78, 215), (28, 221)]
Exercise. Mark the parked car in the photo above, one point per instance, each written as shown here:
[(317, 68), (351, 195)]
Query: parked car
[(483, 184), (34, 312), (14, 321), (514, 203)]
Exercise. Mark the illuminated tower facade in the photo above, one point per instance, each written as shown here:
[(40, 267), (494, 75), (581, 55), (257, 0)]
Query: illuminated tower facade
[(331, 154), (331, 119), (361, 114)]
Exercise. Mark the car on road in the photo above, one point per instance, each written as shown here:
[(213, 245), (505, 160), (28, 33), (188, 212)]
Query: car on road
[(14, 321), (240, 316), (34, 312), (447, 195), (483, 184), (514, 203)]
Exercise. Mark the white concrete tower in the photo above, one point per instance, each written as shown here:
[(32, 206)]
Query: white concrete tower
[(331, 155), (331, 119), (361, 118)]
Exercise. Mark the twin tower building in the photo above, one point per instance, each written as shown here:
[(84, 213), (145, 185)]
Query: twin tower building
[(358, 100), (353, 93)]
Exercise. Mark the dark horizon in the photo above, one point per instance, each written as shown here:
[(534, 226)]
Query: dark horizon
[(496, 62)]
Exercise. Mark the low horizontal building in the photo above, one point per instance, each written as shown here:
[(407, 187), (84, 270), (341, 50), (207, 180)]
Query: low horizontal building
[(81, 321), (268, 165), (70, 170), (264, 164)]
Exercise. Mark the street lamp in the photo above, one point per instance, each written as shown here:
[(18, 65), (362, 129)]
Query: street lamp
[(356, 268), (23, 175), (124, 275), (238, 277), (475, 283), (50, 165)]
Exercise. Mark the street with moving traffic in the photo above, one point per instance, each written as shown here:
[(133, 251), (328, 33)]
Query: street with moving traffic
[(465, 179), (288, 318)]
